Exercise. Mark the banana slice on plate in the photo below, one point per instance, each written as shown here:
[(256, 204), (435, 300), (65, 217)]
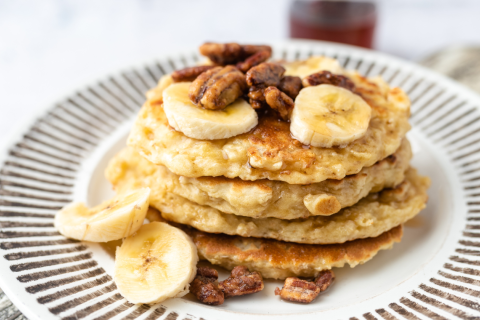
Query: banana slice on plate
[(326, 116), (156, 263), (112, 220), (198, 123), (312, 65)]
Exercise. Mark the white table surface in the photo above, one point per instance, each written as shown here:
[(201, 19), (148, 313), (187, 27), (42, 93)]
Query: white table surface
[(49, 48)]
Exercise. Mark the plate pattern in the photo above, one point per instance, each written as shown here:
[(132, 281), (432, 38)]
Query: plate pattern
[(39, 174)]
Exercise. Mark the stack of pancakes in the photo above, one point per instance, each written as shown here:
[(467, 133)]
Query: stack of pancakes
[(264, 200)]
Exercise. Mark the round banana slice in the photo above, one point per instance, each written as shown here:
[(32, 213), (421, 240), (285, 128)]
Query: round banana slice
[(326, 116), (156, 263), (312, 65), (112, 220), (198, 123)]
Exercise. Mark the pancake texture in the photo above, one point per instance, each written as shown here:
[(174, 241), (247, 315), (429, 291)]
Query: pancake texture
[(262, 198), (268, 151), (370, 217), (279, 260)]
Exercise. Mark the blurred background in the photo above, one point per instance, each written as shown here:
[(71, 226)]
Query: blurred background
[(49, 48)]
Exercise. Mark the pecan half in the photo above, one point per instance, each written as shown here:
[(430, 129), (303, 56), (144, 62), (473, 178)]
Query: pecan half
[(249, 49), (326, 77), (279, 101), (265, 74), (205, 287), (304, 291), (222, 53), (241, 282), (253, 60), (231, 53), (324, 279), (291, 86), (218, 87), (189, 74)]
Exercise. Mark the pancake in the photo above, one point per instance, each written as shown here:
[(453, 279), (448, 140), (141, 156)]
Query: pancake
[(279, 260), (268, 151), (261, 198), (370, 217)]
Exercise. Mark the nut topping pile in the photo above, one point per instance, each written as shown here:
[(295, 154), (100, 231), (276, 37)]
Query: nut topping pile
[(244, 73), (324, 109), (242, 70)]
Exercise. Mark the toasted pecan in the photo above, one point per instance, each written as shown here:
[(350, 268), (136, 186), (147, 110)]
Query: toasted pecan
[(250, 49), (231, 53), (303, 291), (205, 287), (222, 53), (324, 279), (256, 93), (326, 77), (241, 282), (297, 290), (257, 104), (218, 87), (291, 86), (253, 60), (189, 74), (279, 102), (265, 74)]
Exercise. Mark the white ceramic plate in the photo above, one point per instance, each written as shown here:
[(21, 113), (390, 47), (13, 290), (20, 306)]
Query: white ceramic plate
[(433, 273)]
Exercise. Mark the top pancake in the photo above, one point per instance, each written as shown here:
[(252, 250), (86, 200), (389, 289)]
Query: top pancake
[(268, 151)]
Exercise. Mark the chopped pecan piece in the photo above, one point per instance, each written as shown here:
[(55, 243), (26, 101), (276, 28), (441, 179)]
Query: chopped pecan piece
[(256, 104), (279, 101), (189, 74), (230, 53), (265, 74), (291, 86), (324, 279), (218, 87), (256, 93), (298, 290), (326, 77), (205, 287), (304, 291), (256, 97), (241, 282), (253, 60)]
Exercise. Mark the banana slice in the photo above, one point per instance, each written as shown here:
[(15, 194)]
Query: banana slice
[(112, 220), (237, 118), (326, 116), (312, 65), (156, 263)]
